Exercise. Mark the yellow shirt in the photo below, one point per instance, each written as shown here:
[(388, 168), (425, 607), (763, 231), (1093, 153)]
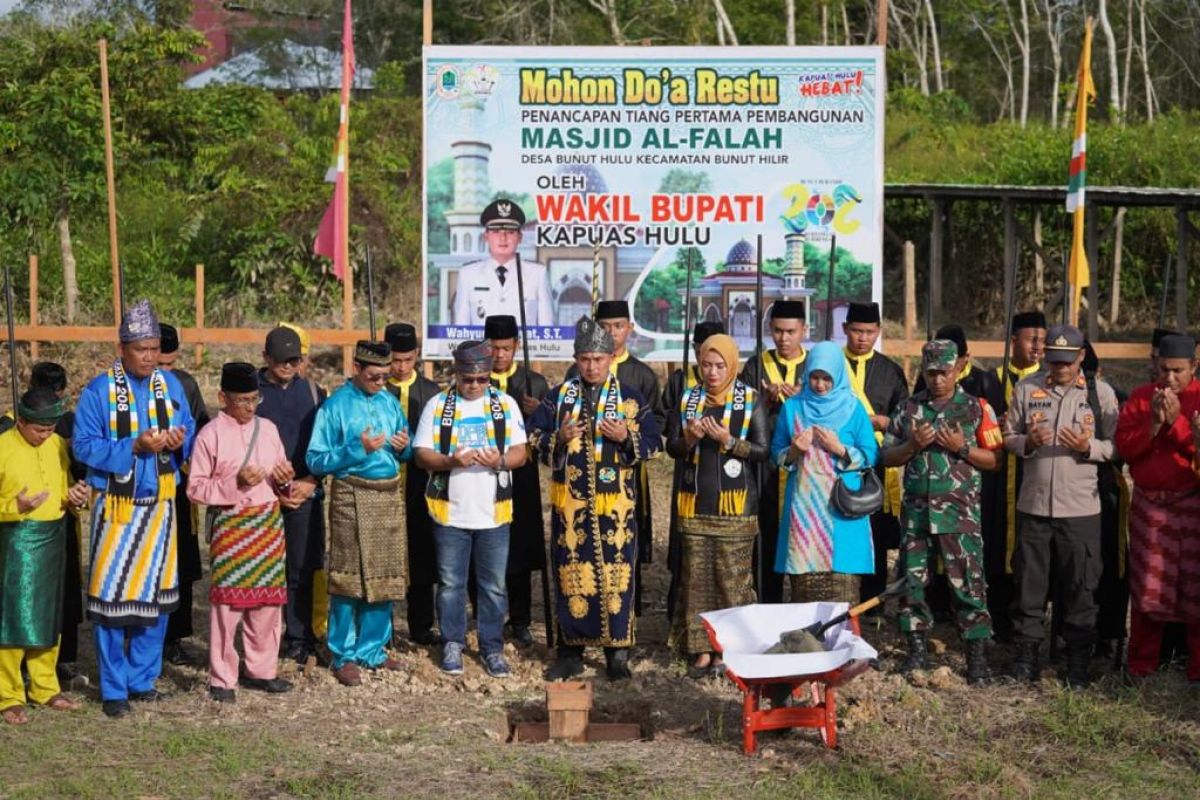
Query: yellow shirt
[(34, 469)]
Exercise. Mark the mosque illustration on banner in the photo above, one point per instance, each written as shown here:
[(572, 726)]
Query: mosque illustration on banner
[(727, 294)]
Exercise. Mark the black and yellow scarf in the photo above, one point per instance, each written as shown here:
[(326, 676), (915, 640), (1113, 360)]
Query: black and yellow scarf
[(123, 424)]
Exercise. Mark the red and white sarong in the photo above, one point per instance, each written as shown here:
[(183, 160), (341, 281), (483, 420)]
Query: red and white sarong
[(1164, 555)]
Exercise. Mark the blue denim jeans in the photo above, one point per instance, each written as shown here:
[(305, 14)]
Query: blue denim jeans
[(457, 548)]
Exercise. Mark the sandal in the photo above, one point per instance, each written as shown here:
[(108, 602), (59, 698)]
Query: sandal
[(696, 671), (15, 715), (60, 702)]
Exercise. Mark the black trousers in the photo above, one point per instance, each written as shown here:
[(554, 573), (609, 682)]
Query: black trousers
[(420, 602), (885, 535), (771, 590), (1061, 554), (304, 535), (68, 645)]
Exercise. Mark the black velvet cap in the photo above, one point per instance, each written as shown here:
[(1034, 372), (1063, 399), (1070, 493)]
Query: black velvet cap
[(705, 329), (787, 309), (953, 333), (1028, 319), (500, 326), (168, 340), (612, 309), (239, 377), (401, 337), (863, 312), (1177, 346)]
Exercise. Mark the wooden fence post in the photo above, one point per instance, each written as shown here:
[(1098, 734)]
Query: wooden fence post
[(33, 303), (199, 314)]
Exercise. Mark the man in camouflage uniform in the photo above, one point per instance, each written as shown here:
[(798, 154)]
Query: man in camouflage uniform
[(943, 437)]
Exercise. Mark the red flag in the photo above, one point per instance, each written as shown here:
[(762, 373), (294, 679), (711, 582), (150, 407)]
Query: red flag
[(333, 235)]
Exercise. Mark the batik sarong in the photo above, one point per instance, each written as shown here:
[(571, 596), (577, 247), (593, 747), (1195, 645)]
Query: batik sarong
[(717, 556), (32, 565), (133, 576), (248, 557), (368, 551), (1164, 555)]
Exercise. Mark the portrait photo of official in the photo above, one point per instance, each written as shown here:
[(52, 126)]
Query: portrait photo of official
[(488, 287)]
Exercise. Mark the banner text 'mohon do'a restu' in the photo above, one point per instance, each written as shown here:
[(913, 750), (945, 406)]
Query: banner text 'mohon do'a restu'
[(628, 164)]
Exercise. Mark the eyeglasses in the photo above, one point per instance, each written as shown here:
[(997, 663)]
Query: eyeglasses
[(293, 362), (243, 400), (374, 377), (468, 380)]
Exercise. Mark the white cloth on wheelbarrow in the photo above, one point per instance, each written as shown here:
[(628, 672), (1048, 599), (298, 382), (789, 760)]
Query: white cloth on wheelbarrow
[(745, 633)]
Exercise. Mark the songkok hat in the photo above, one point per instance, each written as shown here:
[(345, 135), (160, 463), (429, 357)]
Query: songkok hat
[(500, 326), (303, 334), (703, 330), (939, 355), (48, 375), (1177, 346), (139, 323), (1063, 343), (612, 309), (591, 338), (473, 357), (953, 333), (239, 377), (41, 405), (1159, 334), (283, 344), (501, 215), (168, 342), (1028, 319), (863, 312), (372, 354), (401, 337), (785, 309)]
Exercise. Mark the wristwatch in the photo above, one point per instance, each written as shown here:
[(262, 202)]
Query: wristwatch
[(964, 451)]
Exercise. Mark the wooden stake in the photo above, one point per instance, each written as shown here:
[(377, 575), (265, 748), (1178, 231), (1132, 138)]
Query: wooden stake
[(199, 313), (33, 303), (114, 255), (427, 22), (881, 23)]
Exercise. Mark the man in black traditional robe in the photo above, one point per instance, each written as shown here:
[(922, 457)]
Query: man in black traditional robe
[(527, 534), (414, 390), (881, 386), (187, 521), (614, 317), (671, 399), (777, 374), (592, 432)]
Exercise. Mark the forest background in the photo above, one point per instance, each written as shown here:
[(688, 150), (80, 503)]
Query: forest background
[(979, 92)]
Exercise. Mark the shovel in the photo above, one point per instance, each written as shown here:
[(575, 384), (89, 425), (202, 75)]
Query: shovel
[(810, 639)]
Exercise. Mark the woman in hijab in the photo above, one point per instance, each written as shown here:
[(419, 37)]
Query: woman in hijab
[(718, 432), (822, 433)]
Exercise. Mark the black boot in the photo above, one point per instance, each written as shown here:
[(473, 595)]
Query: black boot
[(568, 664), (977, 666), (1079, 657), (918, 653), (1025, 664)]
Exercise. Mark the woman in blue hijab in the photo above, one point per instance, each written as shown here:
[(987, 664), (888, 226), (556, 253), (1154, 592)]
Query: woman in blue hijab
[(823, 432)]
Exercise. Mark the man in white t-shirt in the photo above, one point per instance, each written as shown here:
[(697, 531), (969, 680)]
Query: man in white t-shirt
[(469, 439)]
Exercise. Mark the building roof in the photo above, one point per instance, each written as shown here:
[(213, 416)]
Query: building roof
[(287, 66)]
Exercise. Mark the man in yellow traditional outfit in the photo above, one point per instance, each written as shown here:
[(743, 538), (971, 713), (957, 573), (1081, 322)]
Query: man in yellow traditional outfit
[(34, 498)]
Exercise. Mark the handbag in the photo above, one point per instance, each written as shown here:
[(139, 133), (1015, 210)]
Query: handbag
[(861, 502)]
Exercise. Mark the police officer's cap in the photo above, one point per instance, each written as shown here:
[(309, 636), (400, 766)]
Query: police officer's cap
[(502, 215)]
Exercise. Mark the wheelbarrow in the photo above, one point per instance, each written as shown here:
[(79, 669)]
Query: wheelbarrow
[(743, 634)]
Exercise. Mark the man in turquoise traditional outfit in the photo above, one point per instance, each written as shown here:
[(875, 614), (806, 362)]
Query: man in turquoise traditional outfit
[(34, 498), (361, 438), (132, 429), (593, 431)]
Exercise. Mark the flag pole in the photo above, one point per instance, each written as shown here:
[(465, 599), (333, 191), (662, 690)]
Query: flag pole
[(1162, 303), (829, 289), (12, 338), (111, 185), (370, 293), (758, 354), (687, 324), (524, 330)]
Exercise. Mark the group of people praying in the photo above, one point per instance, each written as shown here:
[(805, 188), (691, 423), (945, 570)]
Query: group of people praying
[(1004, 493)]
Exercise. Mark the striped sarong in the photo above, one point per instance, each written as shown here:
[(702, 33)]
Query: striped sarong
[(248, 557), (134, 576)]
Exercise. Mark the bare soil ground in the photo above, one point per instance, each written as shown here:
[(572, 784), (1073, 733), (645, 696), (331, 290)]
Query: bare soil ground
[(422, 734)]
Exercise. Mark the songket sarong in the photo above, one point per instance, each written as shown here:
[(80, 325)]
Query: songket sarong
[(1164, 555), (134, 576), (717, 556), (368, 549), (248, 557), (32, 562)]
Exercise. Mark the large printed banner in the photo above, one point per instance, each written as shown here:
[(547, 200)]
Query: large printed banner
[(636, 165)]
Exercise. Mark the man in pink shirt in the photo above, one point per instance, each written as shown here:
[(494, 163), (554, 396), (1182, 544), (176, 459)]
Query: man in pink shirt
[(240, 470)]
